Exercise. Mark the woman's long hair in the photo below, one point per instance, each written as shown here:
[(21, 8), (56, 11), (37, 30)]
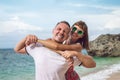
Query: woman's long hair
[(84, 41)]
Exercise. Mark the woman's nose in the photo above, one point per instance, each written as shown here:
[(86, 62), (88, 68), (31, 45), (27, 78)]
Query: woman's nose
[(75, 31)]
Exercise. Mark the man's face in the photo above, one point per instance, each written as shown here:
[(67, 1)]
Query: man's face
[(61, 32)]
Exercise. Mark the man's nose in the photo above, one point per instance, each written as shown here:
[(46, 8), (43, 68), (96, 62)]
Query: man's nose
[(61, 31)]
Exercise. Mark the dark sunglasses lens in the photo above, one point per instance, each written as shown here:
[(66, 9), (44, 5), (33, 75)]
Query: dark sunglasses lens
[(80, 32), (74, 29)]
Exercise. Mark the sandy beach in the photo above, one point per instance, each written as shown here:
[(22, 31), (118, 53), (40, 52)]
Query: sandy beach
[(114, 76)]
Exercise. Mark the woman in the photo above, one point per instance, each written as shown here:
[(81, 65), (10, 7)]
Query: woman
[(78, 35)]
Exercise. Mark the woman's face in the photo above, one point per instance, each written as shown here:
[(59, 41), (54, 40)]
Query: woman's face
[(77, 32)]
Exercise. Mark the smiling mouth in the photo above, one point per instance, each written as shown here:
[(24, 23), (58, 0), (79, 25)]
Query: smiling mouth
[(60, 36)]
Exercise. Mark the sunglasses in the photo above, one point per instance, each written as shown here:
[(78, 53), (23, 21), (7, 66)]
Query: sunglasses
[(79, 32)]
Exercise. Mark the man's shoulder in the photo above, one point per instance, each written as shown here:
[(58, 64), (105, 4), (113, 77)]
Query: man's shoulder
[(34, 45)]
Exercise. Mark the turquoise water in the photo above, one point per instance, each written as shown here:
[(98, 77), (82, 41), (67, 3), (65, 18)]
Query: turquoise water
[(15, 66), (21, 67), (101, 64)]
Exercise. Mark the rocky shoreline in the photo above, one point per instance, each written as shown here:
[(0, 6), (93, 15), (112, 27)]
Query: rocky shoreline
[(105, 45)]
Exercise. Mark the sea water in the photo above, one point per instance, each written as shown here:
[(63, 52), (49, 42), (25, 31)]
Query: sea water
[(105, 66), (14, 66)]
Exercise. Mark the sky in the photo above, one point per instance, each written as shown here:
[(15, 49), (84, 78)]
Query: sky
[(19, 18)]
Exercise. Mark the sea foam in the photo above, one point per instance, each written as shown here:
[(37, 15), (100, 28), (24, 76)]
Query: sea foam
[(102, 74)]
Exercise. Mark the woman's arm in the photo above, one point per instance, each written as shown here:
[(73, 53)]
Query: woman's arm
[(87, 61), (56, 46)]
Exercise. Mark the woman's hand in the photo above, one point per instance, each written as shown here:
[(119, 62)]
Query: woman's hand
[(20, 46), (30, 39), (68, 54)]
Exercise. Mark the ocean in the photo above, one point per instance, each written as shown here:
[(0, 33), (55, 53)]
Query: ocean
[(15, 66)]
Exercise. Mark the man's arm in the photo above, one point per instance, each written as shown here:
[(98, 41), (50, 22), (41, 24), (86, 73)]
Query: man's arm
[(87, 61), (20, 47), (56, 46)]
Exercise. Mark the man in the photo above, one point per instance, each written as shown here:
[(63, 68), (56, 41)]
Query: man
[(48, 64)]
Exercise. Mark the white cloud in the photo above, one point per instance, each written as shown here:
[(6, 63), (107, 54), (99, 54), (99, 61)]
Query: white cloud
[(113, 24), (91, 6), (116, 12), (26, 14), (101, 24), (15, 24), (75, 4)]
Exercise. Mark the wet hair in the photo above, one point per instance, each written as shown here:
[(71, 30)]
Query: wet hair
[(84, 41), (64, 22)]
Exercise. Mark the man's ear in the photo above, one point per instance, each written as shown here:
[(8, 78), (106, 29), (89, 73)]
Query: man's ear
[(53, 30)]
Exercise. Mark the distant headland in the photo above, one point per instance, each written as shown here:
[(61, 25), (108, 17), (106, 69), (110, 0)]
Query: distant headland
[(105, 45)]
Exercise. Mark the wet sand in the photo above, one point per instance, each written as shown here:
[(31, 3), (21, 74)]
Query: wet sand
[(114, 76)]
